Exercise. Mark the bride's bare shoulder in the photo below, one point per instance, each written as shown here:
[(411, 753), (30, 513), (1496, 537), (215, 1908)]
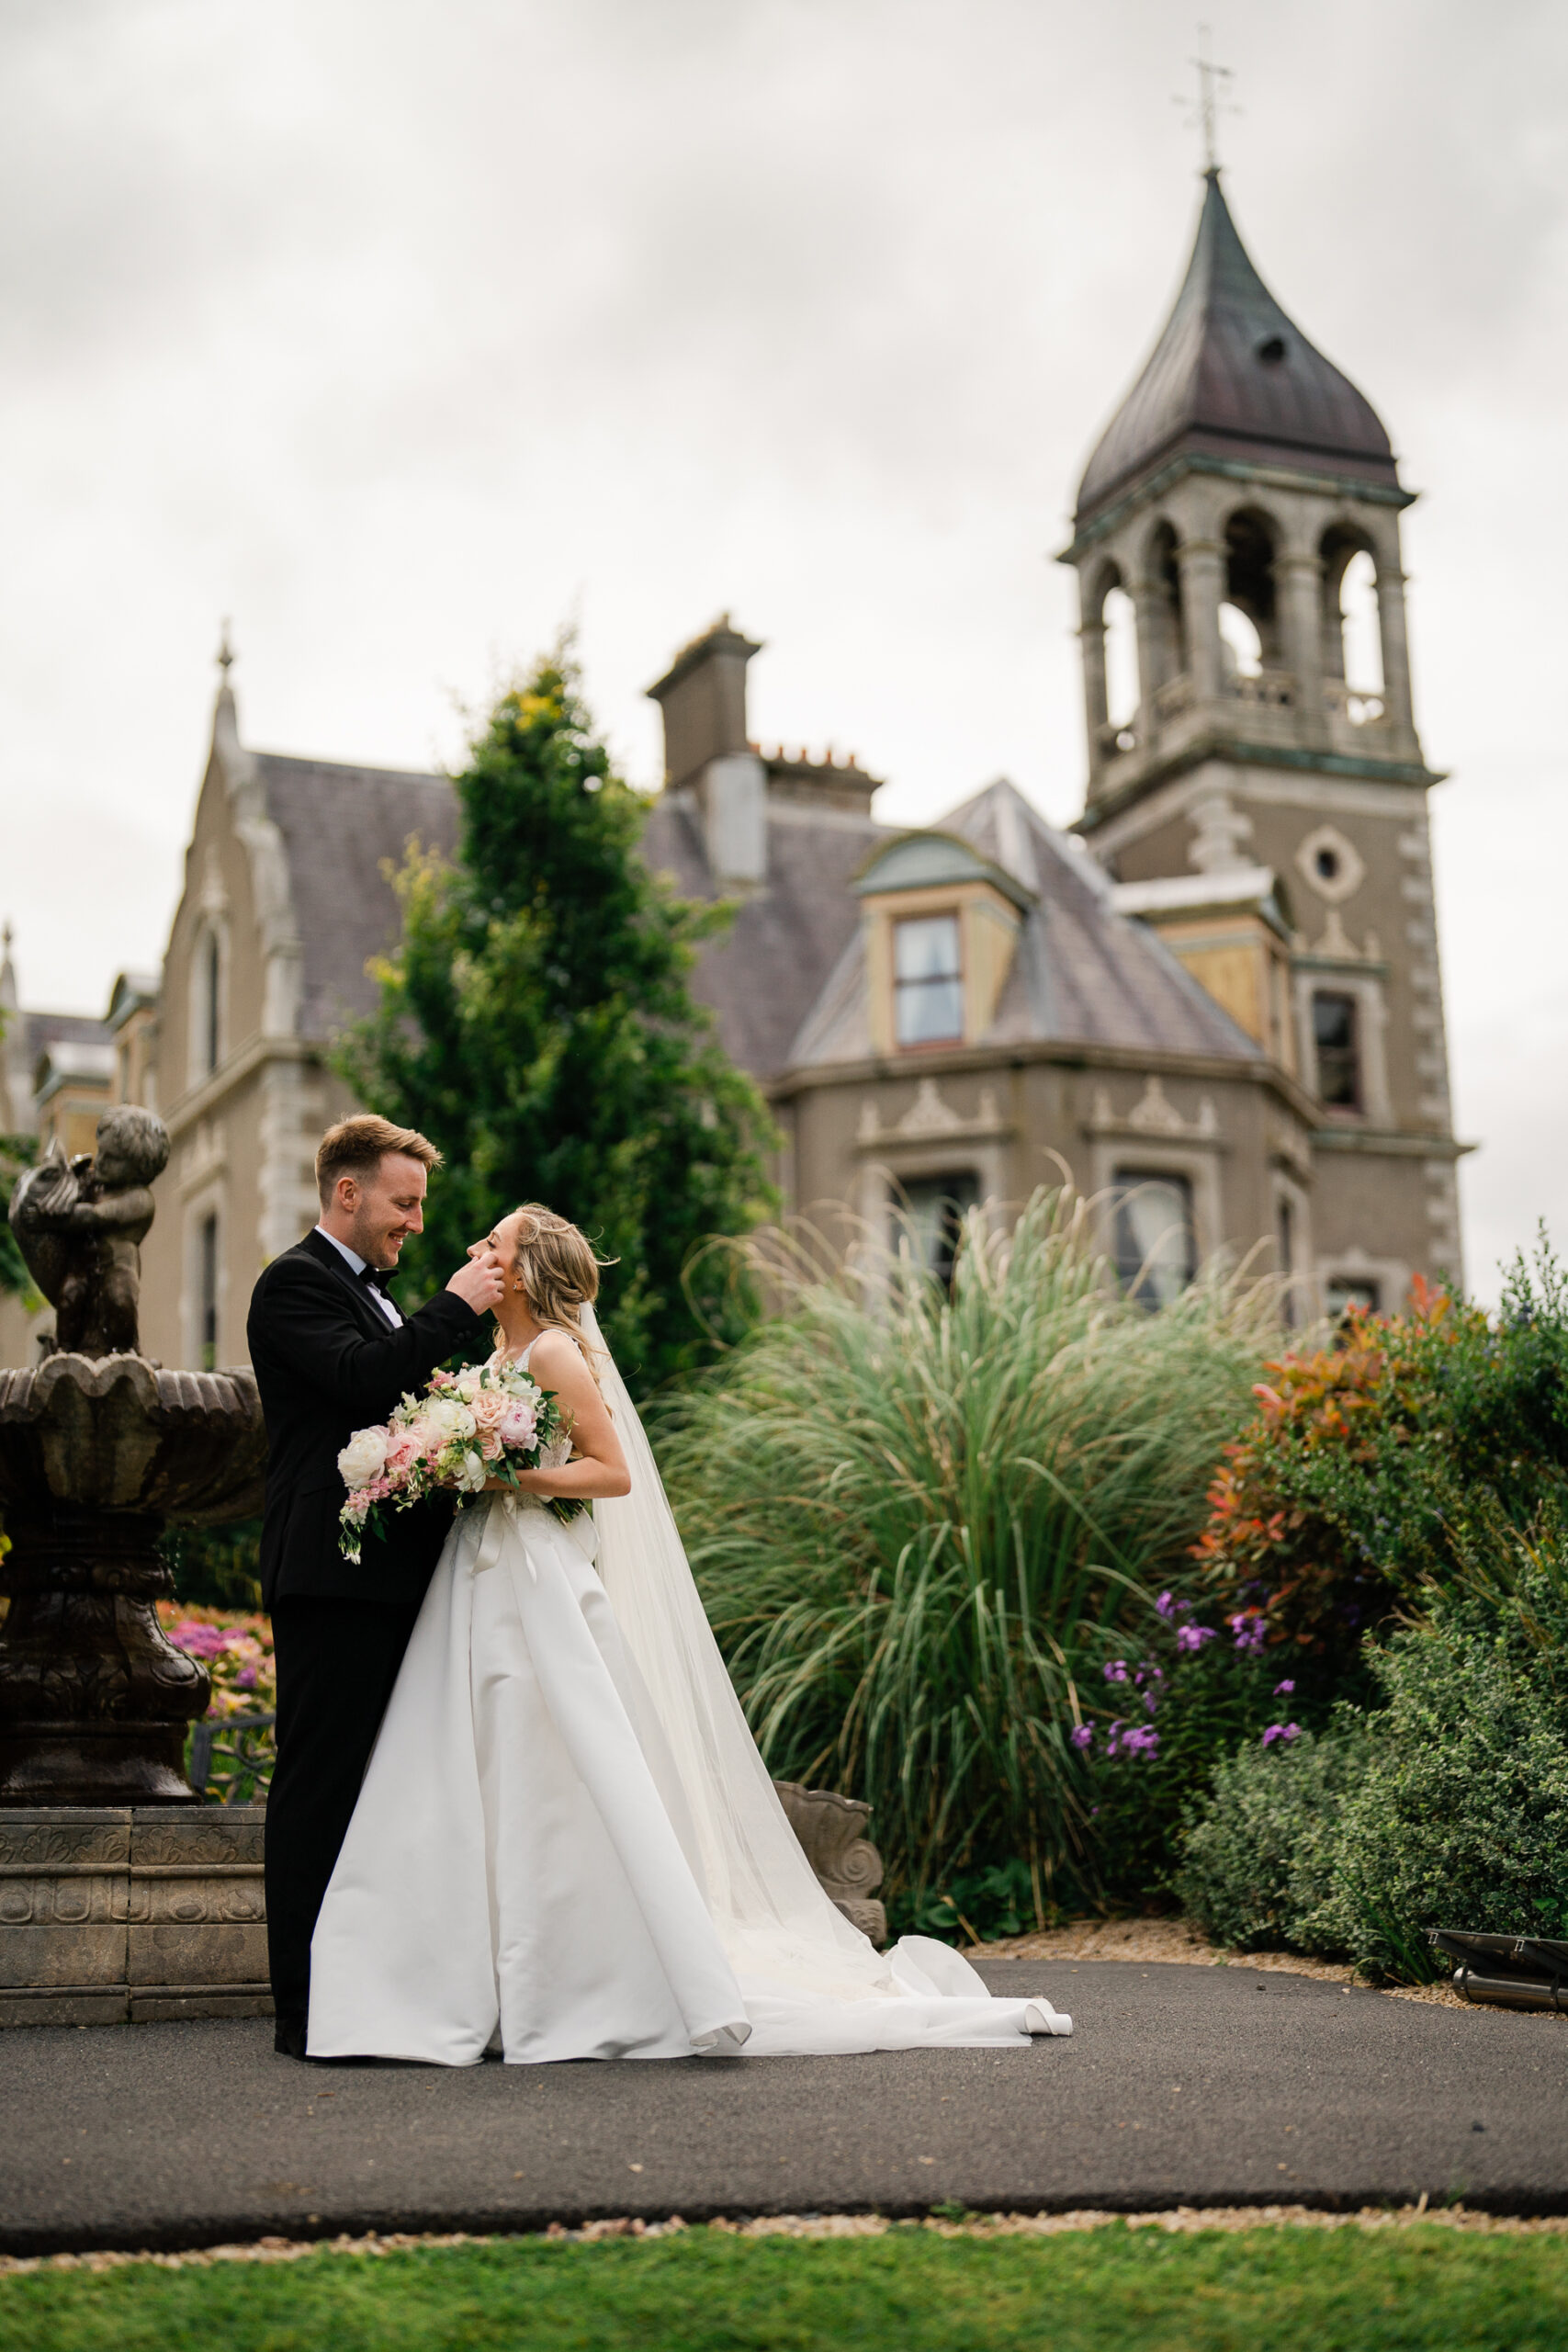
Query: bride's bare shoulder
[(554, 1356)]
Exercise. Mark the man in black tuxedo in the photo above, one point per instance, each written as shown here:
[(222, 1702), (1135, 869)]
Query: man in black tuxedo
[(332, 1353)]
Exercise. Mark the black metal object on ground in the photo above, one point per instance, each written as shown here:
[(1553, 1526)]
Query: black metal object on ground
[(1519, 1971)]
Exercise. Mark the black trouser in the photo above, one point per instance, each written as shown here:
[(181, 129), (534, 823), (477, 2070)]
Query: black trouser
[(337, 1661)]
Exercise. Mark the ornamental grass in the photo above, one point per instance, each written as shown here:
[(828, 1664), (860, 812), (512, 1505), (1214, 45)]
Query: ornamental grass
[(921, 1521)]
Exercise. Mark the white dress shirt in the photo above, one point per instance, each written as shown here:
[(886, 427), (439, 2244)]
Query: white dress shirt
[(355, 1263)]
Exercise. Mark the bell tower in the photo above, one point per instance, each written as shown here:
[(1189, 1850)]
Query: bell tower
[(1246, 685)]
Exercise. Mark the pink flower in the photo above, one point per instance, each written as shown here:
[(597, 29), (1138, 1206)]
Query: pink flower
[(403, 1448), (490, 1407), (519, 1425), (490, 1446), (199, 1641)]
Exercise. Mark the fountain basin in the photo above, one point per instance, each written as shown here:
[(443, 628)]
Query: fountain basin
[(97, 1455)]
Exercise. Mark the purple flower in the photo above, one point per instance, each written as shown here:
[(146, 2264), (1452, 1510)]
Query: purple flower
[(1141, 1742), (1280, 1731), (1083, 1736), (1193, 1637), (1283, 1690), (1151, 1701), (1117, 1671), (1249, 1629), (199, 1641), (246, 1678), (1111, 1734), (1165, 1605)]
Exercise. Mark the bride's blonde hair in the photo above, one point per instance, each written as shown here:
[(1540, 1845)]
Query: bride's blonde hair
[(558, 1270)]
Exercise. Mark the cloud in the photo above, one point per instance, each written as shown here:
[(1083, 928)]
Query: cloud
[(401, 333)]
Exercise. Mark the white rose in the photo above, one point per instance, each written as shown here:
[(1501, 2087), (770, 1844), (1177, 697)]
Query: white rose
[(362, 1458), (471, 1473), (471, 1380)]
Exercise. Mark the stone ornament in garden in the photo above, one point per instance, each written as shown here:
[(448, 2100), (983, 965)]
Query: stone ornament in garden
[(99, 1450)]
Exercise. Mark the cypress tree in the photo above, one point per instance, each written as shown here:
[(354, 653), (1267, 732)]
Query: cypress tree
[(537, 1023)]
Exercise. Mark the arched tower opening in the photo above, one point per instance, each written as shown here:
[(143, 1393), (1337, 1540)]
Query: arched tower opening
[(1352, 626), (1249, 612)]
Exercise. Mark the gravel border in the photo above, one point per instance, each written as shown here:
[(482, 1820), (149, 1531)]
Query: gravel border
[(1182, 1942), (1182, 2219)]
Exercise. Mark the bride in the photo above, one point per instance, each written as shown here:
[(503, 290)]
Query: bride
[(567, 1845)]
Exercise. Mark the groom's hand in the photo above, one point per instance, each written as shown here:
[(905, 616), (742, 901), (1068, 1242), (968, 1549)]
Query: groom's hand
[(480, 1282)]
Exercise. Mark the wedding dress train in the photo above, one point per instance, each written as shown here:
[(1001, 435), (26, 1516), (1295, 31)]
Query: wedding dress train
[(567, 1845)]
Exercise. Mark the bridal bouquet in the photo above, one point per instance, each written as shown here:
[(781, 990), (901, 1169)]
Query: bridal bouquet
[(486, 1421)]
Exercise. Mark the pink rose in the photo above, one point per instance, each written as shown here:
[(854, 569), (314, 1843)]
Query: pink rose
[(402, 1449), (490, 1407)]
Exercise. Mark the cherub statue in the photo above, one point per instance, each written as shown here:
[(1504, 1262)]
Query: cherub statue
[(80, 1225)]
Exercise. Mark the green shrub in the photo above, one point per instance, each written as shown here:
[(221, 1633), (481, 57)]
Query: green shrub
[(1352, 1488), (1446, 1806), (1195, 1694), (919, 1523), (1257, 1864), (215, 1568)]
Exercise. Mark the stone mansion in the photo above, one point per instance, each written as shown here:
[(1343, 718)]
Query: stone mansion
[(1217, 1000)]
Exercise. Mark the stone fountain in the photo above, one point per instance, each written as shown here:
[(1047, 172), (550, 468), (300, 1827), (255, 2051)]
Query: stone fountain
[(99, 1450)]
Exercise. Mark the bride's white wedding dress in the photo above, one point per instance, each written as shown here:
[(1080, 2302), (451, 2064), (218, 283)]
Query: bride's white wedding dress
[(567, 1845)]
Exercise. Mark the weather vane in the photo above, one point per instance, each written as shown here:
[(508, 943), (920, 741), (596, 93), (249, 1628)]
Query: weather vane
[(1212, 102)]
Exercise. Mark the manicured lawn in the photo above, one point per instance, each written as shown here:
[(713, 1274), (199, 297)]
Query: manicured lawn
[(1266, 2289)]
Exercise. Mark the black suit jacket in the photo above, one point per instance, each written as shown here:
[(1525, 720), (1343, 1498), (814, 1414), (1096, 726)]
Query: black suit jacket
[(327, 1362)]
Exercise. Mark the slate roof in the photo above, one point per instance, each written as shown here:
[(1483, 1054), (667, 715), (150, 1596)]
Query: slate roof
[(763, 978), (1082, 973), (788, 983), (340, 826), (41, 1033), (1232, 375)]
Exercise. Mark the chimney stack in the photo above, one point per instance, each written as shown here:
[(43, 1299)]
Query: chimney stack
[(706, 749)]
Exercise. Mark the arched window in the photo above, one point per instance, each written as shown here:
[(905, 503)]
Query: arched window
[(1249, 612), (1121, 662), (207, 977), (1352, 627), (1360, 634), (211, 1000)]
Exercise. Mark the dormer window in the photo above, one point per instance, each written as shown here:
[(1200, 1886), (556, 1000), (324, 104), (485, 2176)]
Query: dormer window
[(928, 980), (941, 924)]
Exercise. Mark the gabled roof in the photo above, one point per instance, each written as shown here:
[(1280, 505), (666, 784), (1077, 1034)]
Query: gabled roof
[(934, 861), (341, 826), (762, 977), (1081, 973), (1232, 375)]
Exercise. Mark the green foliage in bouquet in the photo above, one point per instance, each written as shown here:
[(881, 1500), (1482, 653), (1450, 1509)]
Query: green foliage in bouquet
[(537, 1023), (1445, 1806), (920, 1522), (1347, 1492)]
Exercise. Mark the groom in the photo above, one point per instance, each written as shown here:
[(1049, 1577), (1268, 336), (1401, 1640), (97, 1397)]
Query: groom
[(334, 1353)]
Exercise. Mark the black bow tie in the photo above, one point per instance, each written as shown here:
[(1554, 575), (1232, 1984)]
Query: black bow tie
[(379, 1275)]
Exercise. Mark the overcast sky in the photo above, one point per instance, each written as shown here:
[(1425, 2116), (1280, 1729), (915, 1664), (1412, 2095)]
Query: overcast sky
[(403, 333)]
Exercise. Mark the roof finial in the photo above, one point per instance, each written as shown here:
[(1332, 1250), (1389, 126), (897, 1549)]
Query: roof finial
[(1211, 102), (225, 653)]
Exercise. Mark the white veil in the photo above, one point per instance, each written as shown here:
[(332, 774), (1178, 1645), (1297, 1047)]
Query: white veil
[(775, 1920)]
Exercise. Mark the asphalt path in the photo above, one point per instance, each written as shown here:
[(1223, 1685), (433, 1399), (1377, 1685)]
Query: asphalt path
[(1181, 2085)]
